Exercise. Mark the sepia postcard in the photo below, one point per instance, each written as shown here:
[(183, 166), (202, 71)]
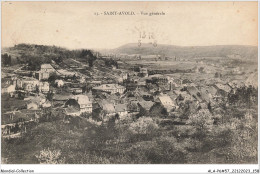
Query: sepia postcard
[(126, 82)]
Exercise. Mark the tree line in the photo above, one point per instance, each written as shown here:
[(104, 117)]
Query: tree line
[(35, 55)]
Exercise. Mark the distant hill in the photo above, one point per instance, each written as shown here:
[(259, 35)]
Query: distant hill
[(232, 51), (23, 51), (35, 55)]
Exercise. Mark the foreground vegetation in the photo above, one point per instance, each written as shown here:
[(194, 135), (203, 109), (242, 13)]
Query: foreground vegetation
[(138, 141)]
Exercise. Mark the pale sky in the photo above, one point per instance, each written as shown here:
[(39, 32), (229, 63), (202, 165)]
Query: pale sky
[(74, 25)]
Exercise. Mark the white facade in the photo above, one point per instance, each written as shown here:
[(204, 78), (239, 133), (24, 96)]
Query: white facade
[(45, 71), (112, 88), (44, 87), (84, 103), (9, 89), (29, 84)]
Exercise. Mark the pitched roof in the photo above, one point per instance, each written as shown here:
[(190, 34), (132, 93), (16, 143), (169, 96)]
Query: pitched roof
[(106, 106), (114, 97), (109, 108), (44, 84), (61, 97), (108, 86), (6, 80), (205, 95), (225, 88), (82, 99), (37, 99), (29, 79), (166, 100), (252, 80), (121, 108), (194, 92), (146, 104), (211, 90), (4, 85), (65, 72), (46, 104), (185, 81), (46, 66)]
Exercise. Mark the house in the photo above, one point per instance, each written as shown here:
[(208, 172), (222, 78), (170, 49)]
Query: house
[(177, 82), (80, 104), (222, 90), (64, 73), (44, 87), (194, 92), (72, 107), (143, 72), (205, 95), (183, 97), (95, 83), (121, 110), (131, 86), (33, 105), (7, 80), (141, 82), (172, 84), (82, 79), (18, 83), (252, 80), (146, 96), (167, 102), (111, 88), (61, 97), (84, 102), (114, 67), (203, 105), (125, 76), (186, 82), (35, 102), (158, 79), (76, 90), (210, 90), (145, 106), (120, 80), (114, 98), (8, 88), (46, 104), (59, 83), (132, 106), (29, 87), (29, 84), (46, 70), (135, 79), (107, 108), (223, 87)]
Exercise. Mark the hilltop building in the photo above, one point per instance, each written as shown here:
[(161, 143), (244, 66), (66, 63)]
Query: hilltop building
[(46, 70)]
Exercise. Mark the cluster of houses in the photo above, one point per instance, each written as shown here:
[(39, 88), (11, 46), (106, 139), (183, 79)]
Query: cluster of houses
[(129, 95)]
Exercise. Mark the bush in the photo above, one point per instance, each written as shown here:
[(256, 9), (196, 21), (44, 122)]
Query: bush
[(165, 150), (143, 125), (202, 120), (48, 156)]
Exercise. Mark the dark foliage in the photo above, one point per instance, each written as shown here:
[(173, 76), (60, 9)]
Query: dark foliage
[(6, 59)]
